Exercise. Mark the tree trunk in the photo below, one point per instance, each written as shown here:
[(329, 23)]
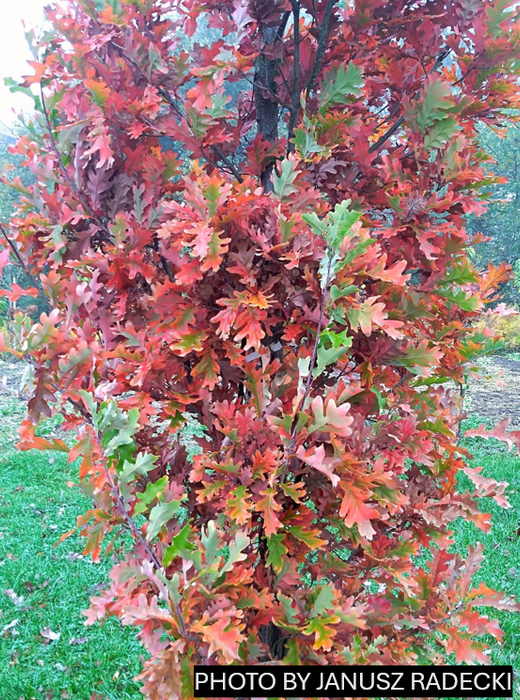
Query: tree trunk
[(265, 90)]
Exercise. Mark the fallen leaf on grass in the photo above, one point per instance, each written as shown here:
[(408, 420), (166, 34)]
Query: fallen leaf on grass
[(10, 628), (15, 599), (49, 635), (73, 556), (76, 641)]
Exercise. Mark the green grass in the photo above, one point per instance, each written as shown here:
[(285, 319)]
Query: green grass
[(36, 506), (501, 566)]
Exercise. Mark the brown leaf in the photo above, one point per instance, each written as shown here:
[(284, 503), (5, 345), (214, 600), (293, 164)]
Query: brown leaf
[(49, 635)]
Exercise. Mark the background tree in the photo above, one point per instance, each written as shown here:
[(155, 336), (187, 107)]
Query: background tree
[(13, 180), (303, 292), (501, 222)]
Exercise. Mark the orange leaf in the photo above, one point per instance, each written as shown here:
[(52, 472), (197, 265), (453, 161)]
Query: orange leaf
[(355, 510)]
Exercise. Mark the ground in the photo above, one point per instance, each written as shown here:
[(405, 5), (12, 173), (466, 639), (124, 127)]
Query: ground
[(46, 652), (496, 393)]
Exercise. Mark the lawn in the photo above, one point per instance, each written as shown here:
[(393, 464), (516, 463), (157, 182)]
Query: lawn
[(43, 588), (45, 651)]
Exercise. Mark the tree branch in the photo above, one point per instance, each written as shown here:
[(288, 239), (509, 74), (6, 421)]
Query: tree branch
[(164, 93), (133, 527), (322, 45), (308, 383), (37, 283), (381, 140), (66, 175), (295, 95)]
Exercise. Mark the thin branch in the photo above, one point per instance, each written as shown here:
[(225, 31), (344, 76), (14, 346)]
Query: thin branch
[(37, 283), (216, 149), (322, 45), (295, 96), (218, 152), (400, 383), (381, 140), (122, 508), (262, 86), (284, 79), (308, 383), (133, 527), (63, 169), (167, 268), (281, 27), (115, 491), (164, 93)]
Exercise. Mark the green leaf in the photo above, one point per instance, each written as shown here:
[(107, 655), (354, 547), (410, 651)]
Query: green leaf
[(435, 100), (336, 293), (460, 274), (311, 539), (142, 465), (151, 492), (329, 356), (338, 83), (420, 359), (236, 551), (160, 514), (330, 264), (180, 543), (498, 12), (441, 132), (305, 143), (210, 541), (14, 86), (69, 134), (276, 551), (283, 184), (91, 404), (322, 600), (319, 226), (337, 340), (123, 436), (463, 301), (290, 612), (336, 225)]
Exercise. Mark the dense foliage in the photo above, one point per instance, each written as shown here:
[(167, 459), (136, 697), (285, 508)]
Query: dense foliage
[(302, 291)]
